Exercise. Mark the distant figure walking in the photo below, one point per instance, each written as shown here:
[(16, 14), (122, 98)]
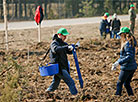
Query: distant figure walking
[(132, 16), (115, 25), (104, 26)]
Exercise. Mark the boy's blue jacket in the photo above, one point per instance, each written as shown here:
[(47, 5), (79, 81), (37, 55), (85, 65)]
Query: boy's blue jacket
[(127, 57), (58, 53)]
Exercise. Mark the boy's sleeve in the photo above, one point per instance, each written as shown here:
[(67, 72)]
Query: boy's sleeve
[(55, 48)]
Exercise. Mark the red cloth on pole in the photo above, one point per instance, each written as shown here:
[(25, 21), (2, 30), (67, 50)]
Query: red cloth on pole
[(39, 15)]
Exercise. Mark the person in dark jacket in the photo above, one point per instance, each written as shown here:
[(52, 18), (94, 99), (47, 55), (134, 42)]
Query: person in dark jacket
[(126, 60), (58, 54), (104, 26), (115, 25)]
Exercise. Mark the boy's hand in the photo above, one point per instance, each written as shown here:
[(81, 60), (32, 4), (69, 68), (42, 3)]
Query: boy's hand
[(70, 47)]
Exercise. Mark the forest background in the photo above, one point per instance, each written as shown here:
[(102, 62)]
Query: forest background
[(59, 9)]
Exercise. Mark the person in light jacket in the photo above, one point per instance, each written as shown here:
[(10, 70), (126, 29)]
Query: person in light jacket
[(126, 61)]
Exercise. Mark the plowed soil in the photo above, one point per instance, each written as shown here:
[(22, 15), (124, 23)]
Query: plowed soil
[(95, 57)]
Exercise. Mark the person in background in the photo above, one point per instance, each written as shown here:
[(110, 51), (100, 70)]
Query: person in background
[(115, 26), (104, 26), (126, 61), (58, 54), (132, 16)]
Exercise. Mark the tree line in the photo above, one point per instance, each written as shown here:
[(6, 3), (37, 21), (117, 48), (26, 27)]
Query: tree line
[(56, 9)]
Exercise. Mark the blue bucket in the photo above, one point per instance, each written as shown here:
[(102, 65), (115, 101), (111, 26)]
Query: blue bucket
[(107, 30), (49, 70)]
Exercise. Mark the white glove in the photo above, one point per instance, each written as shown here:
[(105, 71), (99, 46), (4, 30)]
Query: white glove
[(115, 65), (70, 47), (77, 44), (110, 28)]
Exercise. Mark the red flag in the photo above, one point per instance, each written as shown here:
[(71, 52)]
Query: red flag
[(39, 15)]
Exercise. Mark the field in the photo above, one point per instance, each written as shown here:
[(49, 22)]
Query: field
[(20, 80)]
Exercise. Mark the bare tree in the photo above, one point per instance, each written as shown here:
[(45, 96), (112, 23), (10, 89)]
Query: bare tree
[(5, 23)]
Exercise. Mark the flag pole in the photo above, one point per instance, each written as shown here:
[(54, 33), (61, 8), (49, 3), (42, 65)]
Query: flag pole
[(39, 32)]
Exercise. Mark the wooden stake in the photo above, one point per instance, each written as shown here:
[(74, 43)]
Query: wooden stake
[(5, 23), (28, 53), (39, 32)]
